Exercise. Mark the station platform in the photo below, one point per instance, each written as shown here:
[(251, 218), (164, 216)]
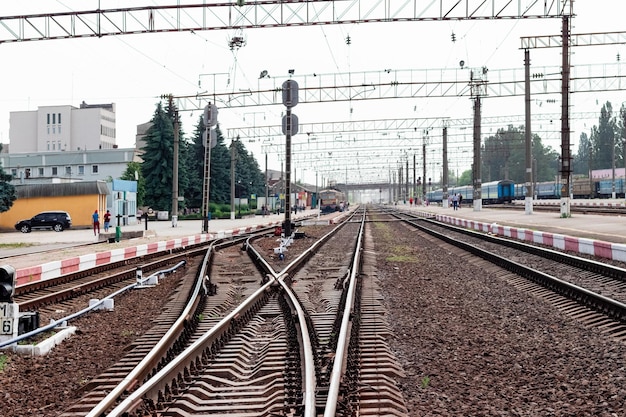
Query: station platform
[(598, 235), (592, 226)]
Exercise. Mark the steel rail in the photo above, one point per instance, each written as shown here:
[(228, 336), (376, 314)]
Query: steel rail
[(158, 382), (154, 356), (604, 305), (343, 343)]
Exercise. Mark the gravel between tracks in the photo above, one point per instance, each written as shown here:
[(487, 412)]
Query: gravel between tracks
[(470, 344), (41, 386)]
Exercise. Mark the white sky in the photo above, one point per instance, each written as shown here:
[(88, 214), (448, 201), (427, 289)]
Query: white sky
[(132, 71)]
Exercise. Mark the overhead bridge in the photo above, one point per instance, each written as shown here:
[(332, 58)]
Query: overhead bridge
[(365, 186)]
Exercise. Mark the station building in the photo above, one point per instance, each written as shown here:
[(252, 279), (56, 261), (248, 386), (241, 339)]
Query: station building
[(66, 158), (63, 128)]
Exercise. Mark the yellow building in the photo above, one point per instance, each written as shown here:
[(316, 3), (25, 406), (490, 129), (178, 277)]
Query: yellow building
[(79, 199)]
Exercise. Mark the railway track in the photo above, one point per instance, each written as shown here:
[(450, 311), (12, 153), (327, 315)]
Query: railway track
[(585, 286), (249, 334), (250, 340)]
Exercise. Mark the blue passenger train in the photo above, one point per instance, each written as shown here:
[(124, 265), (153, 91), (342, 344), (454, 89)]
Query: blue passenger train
[(494, 192), (497, 192)]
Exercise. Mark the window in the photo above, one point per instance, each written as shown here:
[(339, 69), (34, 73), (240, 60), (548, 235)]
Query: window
[(48, 145), (27, 172), (48, 118), (68, 170), (40, 172), (54, 146), (55, 171), (81, 170), (94, 169), (14, 172), (54, 118), (59, 118)]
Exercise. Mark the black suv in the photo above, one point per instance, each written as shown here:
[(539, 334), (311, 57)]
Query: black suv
[(55, 220)]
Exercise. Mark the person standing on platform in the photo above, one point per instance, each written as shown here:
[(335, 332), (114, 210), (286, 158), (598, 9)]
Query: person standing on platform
[(96, 222), (107, 220), (460, 200), (455, 201)]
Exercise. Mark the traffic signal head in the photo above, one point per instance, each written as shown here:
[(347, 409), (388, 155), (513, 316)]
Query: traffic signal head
[(7, 283)]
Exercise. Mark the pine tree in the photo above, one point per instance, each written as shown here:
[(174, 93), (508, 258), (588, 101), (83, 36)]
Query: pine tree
[(158, 161)]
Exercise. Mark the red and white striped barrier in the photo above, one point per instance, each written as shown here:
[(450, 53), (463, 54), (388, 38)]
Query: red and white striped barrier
[(599, 248), (55, 269)]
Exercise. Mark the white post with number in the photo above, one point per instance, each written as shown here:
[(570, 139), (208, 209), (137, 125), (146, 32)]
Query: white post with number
[(9, 318)]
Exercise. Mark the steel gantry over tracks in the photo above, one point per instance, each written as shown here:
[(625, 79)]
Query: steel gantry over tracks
[(244, 14)]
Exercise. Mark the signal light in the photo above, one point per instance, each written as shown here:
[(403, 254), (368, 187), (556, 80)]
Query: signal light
[(7, 283)]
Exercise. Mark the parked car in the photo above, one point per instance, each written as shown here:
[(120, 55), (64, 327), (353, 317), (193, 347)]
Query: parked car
[(55, 220)]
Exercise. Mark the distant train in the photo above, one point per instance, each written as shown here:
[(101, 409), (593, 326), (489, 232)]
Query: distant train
[(494, 192), (331, 200), (580, 188), (497, 192)]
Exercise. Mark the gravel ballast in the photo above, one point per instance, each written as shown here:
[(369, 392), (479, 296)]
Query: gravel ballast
[(473, 345), (470, 343)]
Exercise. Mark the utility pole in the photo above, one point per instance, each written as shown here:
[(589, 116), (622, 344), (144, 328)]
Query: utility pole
[(566, 159), (444, 176), (175, 171), (233, 158), (478, 86), (528, 201)]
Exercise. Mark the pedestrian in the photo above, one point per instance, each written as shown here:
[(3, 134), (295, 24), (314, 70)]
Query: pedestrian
[(455, 201), (460, 200), (96, 222), (139, 215), (107, 220)]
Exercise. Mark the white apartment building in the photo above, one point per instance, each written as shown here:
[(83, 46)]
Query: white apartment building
[(62, 128), (67, 166)]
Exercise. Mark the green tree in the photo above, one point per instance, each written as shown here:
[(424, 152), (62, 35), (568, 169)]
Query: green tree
[(194, 160), (504, 157), (7, 190), (134, 168), (496, 152), (220, 171), (219, 188), (603, 144), (157, 167), (603, 138), (466, 178), (184, 175), (582, 159), (248, 176)]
